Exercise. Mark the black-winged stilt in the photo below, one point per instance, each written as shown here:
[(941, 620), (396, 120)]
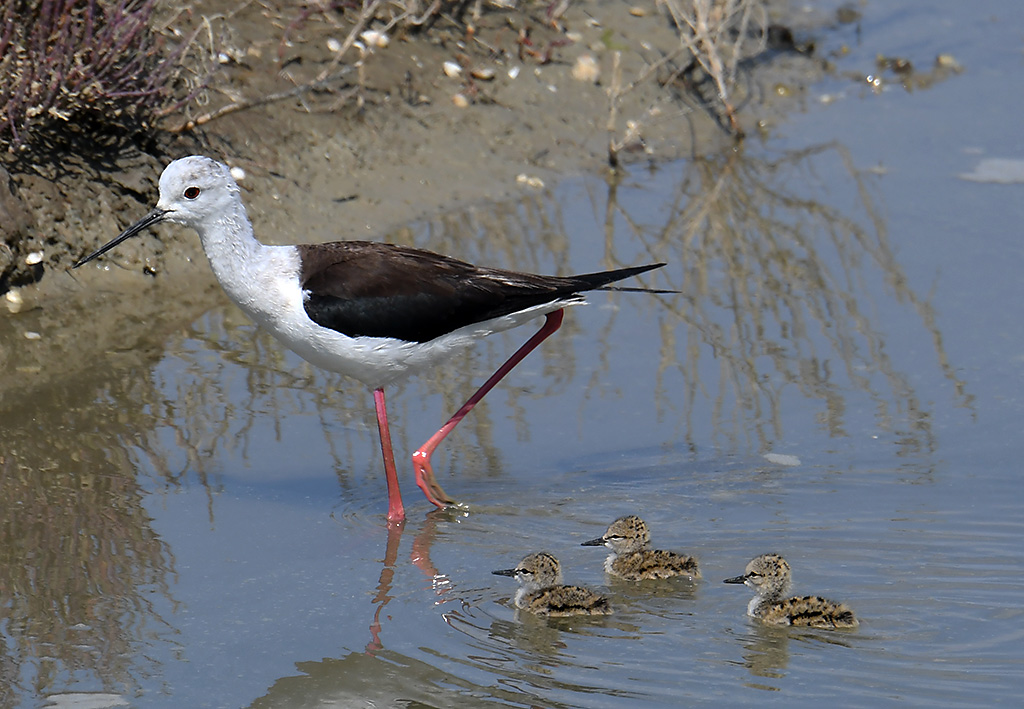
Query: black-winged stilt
[(375, 312)]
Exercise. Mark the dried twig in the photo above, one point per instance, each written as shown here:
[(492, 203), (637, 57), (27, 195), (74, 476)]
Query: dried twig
[(259, 101), (714, 31)]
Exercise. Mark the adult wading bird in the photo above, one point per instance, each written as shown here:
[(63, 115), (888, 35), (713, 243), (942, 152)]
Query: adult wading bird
[(375, 312)]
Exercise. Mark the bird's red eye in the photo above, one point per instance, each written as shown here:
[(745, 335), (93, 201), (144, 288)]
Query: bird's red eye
[(191, 192)]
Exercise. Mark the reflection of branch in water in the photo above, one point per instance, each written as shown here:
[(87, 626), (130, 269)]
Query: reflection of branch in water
[(82, 572), (776, 285), (85, 578)]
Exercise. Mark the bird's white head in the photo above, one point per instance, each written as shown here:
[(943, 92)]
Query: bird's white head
[(194, 191)]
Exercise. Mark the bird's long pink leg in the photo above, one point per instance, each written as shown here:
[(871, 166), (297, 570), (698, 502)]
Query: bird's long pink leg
[(396, 511), (421, 458)]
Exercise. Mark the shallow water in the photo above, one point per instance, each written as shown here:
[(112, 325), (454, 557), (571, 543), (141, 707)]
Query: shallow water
[(200, 522)]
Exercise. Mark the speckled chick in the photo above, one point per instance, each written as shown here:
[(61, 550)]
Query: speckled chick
[(630, 559), (542, 592), (769, 576)]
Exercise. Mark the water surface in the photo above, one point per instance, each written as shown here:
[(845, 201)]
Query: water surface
[(200, 522)]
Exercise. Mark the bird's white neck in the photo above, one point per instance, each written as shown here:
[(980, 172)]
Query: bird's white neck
[(232, 250)]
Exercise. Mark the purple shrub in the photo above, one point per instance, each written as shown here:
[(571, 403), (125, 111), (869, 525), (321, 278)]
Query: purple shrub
[(89, 69)]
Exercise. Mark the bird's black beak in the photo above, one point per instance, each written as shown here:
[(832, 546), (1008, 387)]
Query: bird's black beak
[(737, 579), (154, 217), (504, 572), (599, 542)]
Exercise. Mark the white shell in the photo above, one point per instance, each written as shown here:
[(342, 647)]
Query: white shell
[(14, 300), (782, 459), (586, 69), (375, 38), (529, 180)]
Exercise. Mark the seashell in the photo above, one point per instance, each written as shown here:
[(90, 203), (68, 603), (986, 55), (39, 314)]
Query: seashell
[(375, 38), (529, 180), (586, 69), (14, 300)]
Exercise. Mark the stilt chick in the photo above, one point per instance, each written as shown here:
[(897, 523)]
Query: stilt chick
[(769, 576), (542, 592)]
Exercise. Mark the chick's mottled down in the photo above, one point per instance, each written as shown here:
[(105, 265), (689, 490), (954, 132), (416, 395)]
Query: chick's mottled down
[(769, 576), (542, 592), (628, 538)]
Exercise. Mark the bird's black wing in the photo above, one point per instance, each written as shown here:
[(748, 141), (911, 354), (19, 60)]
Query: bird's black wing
[(370, 289)]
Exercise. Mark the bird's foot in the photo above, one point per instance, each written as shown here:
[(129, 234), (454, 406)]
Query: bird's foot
[(427, 482)]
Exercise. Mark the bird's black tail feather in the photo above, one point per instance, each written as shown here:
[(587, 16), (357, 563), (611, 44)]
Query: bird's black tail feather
[(602, 279)]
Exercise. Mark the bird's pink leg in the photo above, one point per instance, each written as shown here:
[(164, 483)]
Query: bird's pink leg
[(421, 458), (396, 511)]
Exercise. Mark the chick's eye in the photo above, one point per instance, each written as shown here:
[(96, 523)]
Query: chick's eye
[(191, 192)]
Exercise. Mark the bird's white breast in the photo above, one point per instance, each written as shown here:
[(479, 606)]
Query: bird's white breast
[(267, 289)]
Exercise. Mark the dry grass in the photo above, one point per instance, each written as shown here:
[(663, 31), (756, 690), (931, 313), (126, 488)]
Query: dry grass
[(720, 34), (780, 288), (715, 36)]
